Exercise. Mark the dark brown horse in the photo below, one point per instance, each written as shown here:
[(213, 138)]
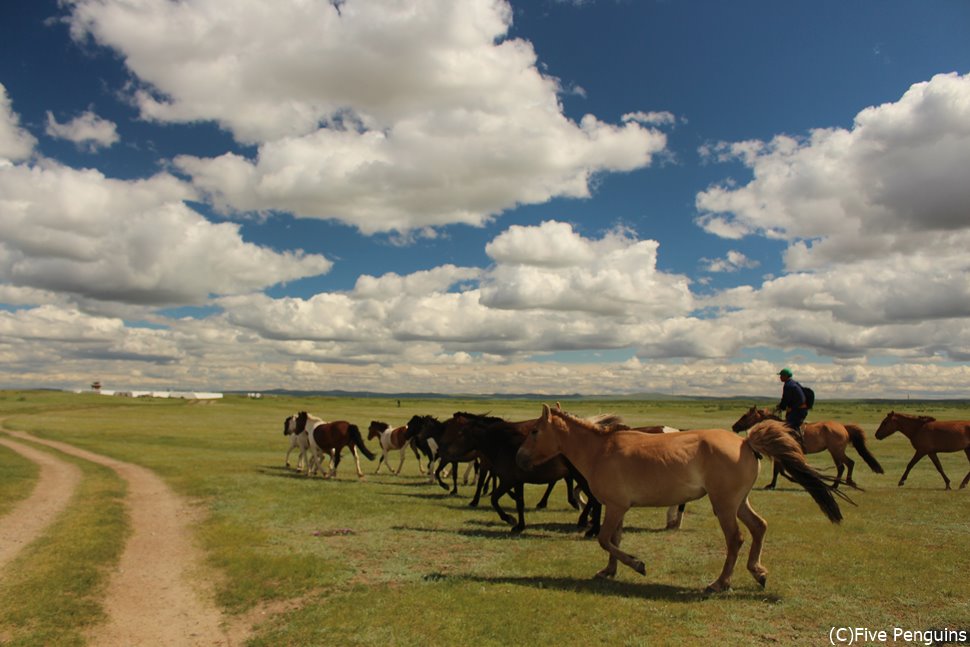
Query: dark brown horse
[(497, 441), (626, 469), (331, 437), (929, 436), (819, 436)]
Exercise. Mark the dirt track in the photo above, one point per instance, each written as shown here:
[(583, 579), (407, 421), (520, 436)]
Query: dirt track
[(157, 595)]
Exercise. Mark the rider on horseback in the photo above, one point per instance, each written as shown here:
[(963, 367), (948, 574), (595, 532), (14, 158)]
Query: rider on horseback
[(793, 403)]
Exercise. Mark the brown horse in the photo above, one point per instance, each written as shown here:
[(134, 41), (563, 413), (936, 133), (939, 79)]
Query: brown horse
[(331, 437), (626, 469), (929, 436), (819, 436)]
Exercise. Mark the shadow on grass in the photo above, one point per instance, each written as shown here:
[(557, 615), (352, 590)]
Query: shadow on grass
[(279, 471), (626, 589)]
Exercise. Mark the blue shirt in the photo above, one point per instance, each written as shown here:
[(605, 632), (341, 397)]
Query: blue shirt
[(792, 396)]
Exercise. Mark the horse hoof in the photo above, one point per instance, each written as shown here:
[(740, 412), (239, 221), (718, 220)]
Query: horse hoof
[(639, 567), (604, 575), (762, 580), (516, 530), (714, 587), (769, 487), (541, 506)]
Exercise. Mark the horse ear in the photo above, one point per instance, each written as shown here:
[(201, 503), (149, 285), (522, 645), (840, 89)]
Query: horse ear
[(546, 412)]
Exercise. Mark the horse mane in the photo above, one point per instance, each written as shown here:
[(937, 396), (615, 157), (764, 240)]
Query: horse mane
[(923, 419), (482, 418), (605, 423)]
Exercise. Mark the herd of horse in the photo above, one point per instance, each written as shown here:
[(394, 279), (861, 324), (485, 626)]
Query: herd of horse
[(617, 467)]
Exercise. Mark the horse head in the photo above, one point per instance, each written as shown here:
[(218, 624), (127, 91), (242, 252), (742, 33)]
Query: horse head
[(288, 425), (301, 420), (543, 442), (901, 422), (376, 428), (749, 418)]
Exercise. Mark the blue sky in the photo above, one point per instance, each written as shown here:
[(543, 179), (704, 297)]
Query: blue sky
[(475, 196)]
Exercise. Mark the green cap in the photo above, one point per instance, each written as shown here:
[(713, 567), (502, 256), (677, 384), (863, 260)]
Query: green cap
[(785, 371)]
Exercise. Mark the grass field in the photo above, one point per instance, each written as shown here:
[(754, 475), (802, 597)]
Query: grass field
[(395, 561)]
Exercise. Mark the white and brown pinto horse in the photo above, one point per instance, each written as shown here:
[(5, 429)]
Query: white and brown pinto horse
[(627, 468), (928, 436), (331, 438), (300, 441), (391, 439)]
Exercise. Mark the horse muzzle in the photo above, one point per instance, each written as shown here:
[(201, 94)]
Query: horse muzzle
[(523, 459)]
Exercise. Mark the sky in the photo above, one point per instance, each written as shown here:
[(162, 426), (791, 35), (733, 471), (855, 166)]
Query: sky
[(486, 197)]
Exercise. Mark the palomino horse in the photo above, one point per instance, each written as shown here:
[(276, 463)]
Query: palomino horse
[(332, 437), (391, 439), (626, 469), (299, 441), (929, 436), (819, 436)]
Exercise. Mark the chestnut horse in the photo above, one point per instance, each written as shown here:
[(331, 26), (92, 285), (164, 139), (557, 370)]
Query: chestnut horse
[(819, 436), (929, 436), (391, 439), (626, 469), (332, 437)]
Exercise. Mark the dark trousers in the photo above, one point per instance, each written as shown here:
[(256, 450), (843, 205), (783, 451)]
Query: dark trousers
[(794, 420)]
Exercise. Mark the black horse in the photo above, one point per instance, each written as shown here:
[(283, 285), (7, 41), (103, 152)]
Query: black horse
[(497, 441)]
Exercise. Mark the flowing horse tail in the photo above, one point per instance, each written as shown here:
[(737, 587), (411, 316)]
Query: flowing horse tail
[(359, 442), (773, 439), (858, 438)]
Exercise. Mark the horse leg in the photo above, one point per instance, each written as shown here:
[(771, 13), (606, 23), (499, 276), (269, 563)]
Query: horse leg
[(727, 514), (479, 488), (675, 516), (454, 478), (519, 495), (287, 461), (939, 468), (757, 527), (334, 462), (417, 457), (360, 472), (966, 478), (918, 455), (468, 471), (775, 471), (595, 513), (571, 494), (381, 460), (436, 475), (610, 535), (400, 464), (544, 501), (496, 495)]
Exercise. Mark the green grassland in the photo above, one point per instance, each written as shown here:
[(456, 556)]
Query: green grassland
[(396, 561)]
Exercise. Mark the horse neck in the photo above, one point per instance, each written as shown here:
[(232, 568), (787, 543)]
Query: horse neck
[(908, 426), (579, 445), (312, 422)]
